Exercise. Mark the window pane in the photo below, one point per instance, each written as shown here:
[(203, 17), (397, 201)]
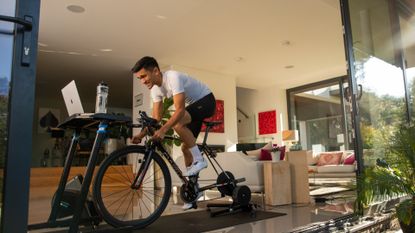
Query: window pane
[(381, 84)]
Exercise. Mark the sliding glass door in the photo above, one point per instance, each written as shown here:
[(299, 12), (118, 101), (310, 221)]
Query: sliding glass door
[(377, 73), (18, 46), (321, 115)]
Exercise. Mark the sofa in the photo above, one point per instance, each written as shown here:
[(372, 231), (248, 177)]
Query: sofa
[(239, 164), (332, 164)]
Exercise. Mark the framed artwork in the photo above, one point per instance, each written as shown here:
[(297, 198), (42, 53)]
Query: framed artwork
[(48, 118), (138, 100), (218, 116), (267, 122)]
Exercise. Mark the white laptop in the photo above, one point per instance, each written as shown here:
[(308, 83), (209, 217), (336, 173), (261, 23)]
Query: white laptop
[(72, 100)]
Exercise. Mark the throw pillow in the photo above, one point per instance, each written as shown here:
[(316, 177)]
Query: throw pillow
[(282, 155), (265, 155), (329, 158), (349, 160)]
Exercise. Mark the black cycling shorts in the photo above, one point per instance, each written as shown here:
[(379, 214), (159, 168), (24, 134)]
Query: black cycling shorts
[(199, 110)]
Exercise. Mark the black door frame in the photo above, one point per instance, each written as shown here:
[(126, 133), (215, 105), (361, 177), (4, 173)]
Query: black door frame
[(20, 120), (353, 94)]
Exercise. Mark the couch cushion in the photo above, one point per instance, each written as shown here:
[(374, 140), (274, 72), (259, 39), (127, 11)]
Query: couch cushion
[(312, 169), (329, 158), (349, 160), (312, 159), (336, 168), (255, 154)]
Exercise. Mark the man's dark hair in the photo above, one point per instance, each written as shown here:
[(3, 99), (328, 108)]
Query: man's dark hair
[(146, 63)]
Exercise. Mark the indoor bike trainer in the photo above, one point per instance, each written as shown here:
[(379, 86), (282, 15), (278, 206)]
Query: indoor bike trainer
[(226, 184)]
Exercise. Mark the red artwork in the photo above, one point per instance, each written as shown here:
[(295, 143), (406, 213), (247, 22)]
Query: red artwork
[(218, 116), (267, 122)]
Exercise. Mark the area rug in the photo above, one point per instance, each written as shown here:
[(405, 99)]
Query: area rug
[(327, 190)]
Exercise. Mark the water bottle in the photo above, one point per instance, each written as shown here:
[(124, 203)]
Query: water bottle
[(102, 96)]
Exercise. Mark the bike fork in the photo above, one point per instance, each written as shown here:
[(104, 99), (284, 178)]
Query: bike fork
[(138, 180)]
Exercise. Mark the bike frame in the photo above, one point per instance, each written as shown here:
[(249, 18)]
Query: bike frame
[(153, 145)]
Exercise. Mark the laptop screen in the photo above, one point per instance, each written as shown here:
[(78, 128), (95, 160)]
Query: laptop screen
[(72, 100)]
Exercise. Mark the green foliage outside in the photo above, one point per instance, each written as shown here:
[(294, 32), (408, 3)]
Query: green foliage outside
[(393, 176), (167, 113), (380, 116), (3, 128), (3, 137)]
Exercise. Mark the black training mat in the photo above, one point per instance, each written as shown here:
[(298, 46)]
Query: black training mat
[(200, 221), (192, 222)]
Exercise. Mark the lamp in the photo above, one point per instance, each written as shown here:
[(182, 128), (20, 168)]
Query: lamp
[(290, 136), (340, 140)]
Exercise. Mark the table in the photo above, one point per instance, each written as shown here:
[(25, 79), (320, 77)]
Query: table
[(277, 183), (299, 176)]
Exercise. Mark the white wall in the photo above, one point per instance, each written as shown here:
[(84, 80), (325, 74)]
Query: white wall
[(254, 101), (223, 87)]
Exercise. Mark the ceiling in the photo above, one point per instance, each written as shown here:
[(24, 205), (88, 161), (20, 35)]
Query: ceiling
[(253, 41)]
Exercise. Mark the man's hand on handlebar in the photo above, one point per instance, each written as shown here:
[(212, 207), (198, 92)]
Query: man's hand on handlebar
[(159, 134), (138, 137)]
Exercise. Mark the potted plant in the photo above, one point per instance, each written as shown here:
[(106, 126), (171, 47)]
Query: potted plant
[(394, 177), (167, 103)]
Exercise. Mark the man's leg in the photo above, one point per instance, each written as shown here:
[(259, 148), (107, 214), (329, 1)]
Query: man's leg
[(190, 150), (188, 158)]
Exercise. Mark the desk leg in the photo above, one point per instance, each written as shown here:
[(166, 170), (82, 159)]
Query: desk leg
[(64, 177), (80, 204)]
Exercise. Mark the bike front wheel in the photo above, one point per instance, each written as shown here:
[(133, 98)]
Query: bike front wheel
[(120, 203)]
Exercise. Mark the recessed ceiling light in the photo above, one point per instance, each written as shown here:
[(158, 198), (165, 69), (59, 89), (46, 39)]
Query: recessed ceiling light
[(289, 67), (75, 8), (105, 50), (42, 44), (161, 16), (74, 53)]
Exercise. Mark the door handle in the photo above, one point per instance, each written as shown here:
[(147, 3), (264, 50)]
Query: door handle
[(27, 24)]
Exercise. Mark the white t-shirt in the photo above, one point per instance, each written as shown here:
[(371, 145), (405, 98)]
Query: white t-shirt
[(175, 83)]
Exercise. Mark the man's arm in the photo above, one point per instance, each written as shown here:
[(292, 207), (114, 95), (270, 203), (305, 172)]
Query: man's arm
[(179, 105), (156, 114), (158, 110)]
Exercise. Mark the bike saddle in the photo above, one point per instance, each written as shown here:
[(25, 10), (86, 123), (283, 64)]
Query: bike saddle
[(212, 123)]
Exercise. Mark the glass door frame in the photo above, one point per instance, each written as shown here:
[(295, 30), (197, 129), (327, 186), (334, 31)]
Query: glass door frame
[(20, 118), (333, 81), (353, 93), (351, 70)]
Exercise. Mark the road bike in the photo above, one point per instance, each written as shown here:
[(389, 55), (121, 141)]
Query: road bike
[(132, 186)]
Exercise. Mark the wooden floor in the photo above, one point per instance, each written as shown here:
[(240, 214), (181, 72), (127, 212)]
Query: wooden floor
[(44, 183)]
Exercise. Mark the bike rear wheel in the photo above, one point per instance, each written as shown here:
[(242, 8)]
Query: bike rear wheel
[(119, 203)]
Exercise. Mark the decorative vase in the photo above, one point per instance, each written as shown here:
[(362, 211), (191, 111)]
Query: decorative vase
[(276, 155)]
